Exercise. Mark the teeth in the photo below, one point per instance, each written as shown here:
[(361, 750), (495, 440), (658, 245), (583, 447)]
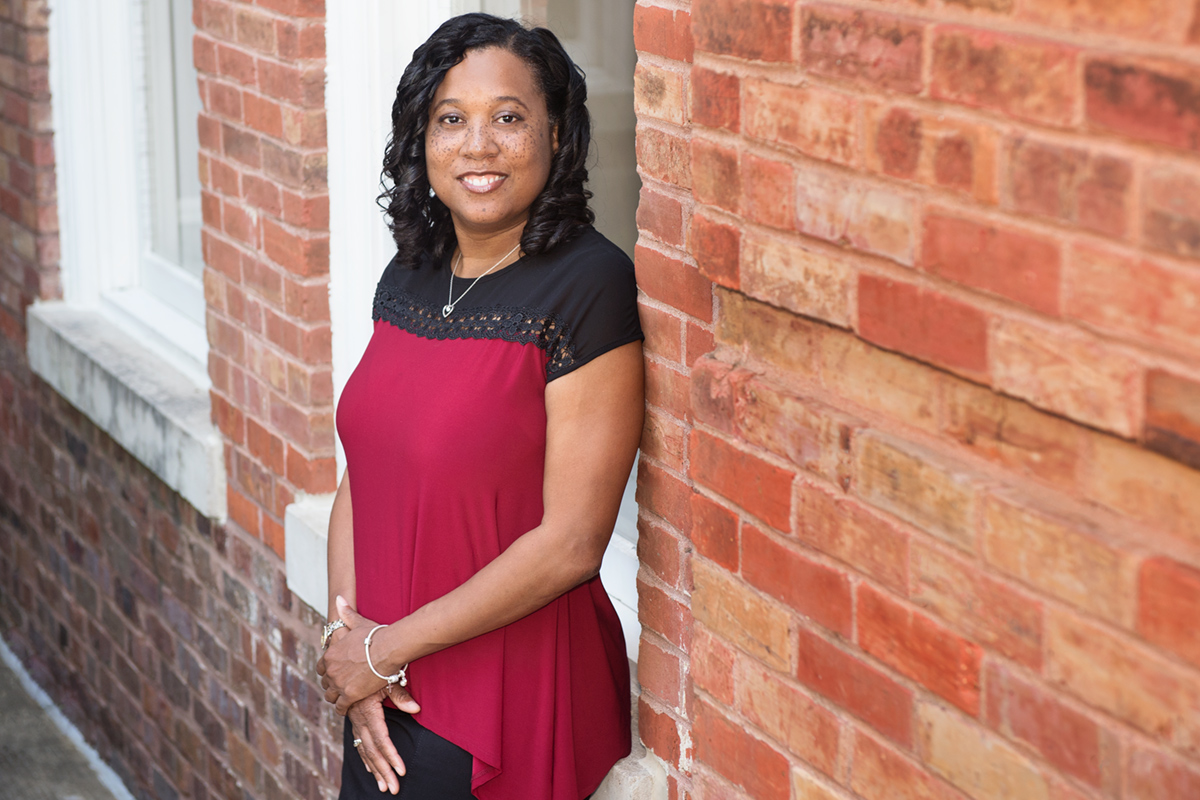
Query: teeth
[(479, 182)]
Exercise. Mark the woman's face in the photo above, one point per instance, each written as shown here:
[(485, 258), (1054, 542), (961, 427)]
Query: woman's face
[(489, 142)]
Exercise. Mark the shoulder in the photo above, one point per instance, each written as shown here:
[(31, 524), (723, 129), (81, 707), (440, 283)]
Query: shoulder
[(589, 259)]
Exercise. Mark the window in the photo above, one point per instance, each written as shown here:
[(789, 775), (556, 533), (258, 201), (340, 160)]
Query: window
[(127, 345)]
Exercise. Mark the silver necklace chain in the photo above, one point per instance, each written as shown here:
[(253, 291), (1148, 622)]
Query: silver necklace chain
[(450, 301)]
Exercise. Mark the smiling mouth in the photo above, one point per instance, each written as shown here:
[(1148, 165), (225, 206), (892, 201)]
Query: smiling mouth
[(481, 183)]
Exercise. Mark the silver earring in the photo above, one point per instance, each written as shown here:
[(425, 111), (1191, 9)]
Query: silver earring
[(432, 193)]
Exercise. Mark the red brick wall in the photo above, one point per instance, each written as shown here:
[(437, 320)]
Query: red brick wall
[(171, 641), (920, 499)]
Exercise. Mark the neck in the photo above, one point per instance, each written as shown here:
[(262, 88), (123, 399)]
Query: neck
[(475, 255)]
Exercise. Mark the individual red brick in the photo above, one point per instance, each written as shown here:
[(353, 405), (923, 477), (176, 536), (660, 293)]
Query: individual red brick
[(848, 531), (659, 94), (264, 115), (919, 648), (664, 156), (815, 590), (714, 532), (713, 391), (712, 664), (882, 773), (659, 732), (1171, 221), (856, 686), (668, 388), (243, 511), (760, 488), (732, 609), (1023, 78), (1063, 736), (1004, 261), (922, 323), (306, 211), (716, 99), (769, 191), (241, 146), (1168, 604), (1143, 19), (673, 282), (204, 54), (228, 418), (807, 433), (663, 331), (664, 439), (309, 474), (817, 122), (769, 334), (1072, 185), (661, 493), (875, 49), (787, 714), (224, 100), (898, 143), (1173, 416), (255, 30), (848, 211), (661, 216), (659, 673), (1153, 102), (744, 760), (1069, 373), (262, 195), (663, 614), (716, 173), (759, 30), (300, 255), (1156, 775), (236, 64), (700, 342), (715, 247), (265, 446), (989, 611), (663, 32), (296, 8), (658, 549), (215, 18)]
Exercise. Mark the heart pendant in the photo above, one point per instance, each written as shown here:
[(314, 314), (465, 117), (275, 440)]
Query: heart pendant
[(446, 310)]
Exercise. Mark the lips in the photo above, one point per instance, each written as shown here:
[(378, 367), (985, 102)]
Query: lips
[(481, 183)]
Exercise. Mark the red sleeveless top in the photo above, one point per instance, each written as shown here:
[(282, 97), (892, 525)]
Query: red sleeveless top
[(444, 428)]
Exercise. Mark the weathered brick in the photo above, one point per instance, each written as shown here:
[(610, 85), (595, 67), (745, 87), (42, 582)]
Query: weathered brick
[(786, 713), (1168, 606), (882, 773), (848, 211), (766, 333), (974, 760), (923, 323), (900, 387), (933, 149), (659, 732), (846, 679), (768, 191), (661, 216), (1067, 559), (1011, 432), (1173, 416), (919, 648), (716, 99), (987, 610), (850, 532), (661, 493), (805, 786), (663, 31), (663, 331), (664, 156), (734, 611), (664, 614), (1024, 78), (787, 274), (875, 49), (716, 247), (759, 29), (1132, 297), (1034, 716), (673, 282), (712, 665), (807, 433), (717, 175), (1170, 219), (1155, 775), (659, 94), (1066, 372), (1146, 18), (918, 487), (762, 489), (664, 439), (714, 533), (818, 592), (1156, 102), (713, 392), (659, 672), (999, 260), (815, 121), (1092, 190), (732, 751)]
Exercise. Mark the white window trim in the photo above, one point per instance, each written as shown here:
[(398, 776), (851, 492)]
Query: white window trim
[(102, 347)]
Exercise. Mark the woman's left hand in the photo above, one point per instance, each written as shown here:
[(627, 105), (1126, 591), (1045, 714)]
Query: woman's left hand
[(345, 675)]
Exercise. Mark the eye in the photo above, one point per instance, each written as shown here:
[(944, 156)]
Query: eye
[(508, 118), (449, 119)]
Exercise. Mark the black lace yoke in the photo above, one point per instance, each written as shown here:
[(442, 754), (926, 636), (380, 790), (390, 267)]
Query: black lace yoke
[(574, 304)]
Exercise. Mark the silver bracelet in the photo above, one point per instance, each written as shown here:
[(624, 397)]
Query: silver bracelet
[(400, 677)]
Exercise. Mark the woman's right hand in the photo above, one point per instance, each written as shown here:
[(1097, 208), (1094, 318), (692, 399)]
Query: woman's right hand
[(377, 750)]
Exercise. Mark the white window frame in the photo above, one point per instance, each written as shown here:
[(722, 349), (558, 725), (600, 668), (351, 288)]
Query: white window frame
[(131, 362)]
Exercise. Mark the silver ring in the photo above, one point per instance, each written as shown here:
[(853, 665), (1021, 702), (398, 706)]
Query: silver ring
[(357, 742)]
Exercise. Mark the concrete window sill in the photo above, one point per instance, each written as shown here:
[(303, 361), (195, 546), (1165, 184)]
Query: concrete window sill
[(152, 409)]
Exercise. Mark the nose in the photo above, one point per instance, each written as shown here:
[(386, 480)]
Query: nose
[(480, 142)]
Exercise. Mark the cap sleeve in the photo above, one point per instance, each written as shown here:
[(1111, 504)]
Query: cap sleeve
[(598, 308)]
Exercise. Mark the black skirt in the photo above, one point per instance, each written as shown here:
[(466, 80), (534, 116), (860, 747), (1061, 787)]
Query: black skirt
[(435, 768)]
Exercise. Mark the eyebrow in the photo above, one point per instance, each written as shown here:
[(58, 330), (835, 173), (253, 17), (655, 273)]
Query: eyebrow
[(502, 98)]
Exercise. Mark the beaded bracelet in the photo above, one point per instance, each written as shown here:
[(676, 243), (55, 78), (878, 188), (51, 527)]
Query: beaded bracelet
[(400, 677)]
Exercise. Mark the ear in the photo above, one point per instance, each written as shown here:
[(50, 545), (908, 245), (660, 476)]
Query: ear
[(554, 139)]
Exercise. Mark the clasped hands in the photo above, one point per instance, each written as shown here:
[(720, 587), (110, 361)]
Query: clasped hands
[(356, 693)]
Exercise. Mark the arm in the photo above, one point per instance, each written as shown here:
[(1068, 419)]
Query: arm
[(340, 553), (593, 426)]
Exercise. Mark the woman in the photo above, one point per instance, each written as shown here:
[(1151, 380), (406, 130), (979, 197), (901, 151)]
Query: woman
[(489, 430)]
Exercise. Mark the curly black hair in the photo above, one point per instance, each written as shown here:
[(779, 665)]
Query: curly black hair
[(421, 223)]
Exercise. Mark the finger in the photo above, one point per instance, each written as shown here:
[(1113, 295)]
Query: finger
[(347, 614), (403, 700), (332, 695), (377, 728), (341, 703), (321, 666), (375, 760)]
